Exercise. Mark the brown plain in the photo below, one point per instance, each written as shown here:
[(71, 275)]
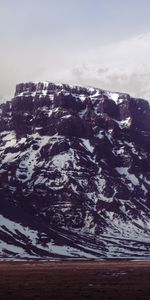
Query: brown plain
[(75, 280)]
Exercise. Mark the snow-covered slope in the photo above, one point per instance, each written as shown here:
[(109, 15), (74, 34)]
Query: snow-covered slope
[(74, 173)]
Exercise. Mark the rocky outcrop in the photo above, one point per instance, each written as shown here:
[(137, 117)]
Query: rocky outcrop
[(74, 173)]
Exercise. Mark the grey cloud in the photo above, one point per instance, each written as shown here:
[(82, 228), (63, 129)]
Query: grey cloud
[(135, 84), (77, 72), (102, 70)]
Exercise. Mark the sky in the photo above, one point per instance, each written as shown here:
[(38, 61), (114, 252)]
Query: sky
[(101, 43)]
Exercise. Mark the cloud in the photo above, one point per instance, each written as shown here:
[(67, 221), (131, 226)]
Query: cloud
[(83, 42), (102, 70), (122, 66), (77, 72)]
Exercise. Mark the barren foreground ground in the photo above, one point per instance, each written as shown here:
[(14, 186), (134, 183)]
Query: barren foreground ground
[(75, 280)]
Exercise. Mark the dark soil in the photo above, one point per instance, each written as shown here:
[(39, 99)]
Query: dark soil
[(117, 280)]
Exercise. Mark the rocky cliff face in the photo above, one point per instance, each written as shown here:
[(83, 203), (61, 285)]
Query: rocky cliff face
[(74, 173)]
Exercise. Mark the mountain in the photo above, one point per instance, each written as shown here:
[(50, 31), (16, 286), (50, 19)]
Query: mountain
[(74, 173)]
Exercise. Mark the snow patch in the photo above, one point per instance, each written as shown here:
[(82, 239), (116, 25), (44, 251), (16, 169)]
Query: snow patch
[(87, 145), (130, 177)]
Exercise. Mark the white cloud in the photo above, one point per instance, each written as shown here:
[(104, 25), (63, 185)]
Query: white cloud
[(121, 66)]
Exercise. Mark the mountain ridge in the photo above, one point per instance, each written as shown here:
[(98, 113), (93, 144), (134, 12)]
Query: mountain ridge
[(75, 173)]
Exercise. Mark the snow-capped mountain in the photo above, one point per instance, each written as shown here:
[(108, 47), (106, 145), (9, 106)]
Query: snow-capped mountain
[(74, 173)]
